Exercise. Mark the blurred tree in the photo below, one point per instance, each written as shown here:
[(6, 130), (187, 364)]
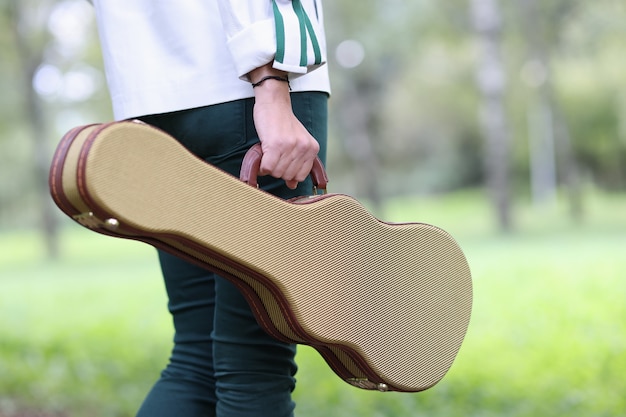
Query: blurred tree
[(28, 25), (591, 88), (541, 26), (50, 72), (358, 89), (491, 78), (402, 111), (567, 96)]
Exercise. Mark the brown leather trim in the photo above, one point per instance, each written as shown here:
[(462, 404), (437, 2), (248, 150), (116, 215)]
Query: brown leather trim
[(250, 165), (55, 177)]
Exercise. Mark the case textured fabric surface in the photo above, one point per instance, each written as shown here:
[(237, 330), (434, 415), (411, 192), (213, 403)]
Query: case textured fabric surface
[(387, 305)]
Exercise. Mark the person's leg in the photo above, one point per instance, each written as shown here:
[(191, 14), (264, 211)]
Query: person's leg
[(187, 385)]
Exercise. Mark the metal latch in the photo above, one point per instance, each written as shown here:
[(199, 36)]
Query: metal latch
[(365, 383), (90, 221)]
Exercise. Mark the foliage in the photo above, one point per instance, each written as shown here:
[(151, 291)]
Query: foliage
[(43, 74), (89, 334), (416, 80)]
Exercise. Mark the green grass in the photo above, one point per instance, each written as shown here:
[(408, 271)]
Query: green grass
[(89, 334), (85, 334)]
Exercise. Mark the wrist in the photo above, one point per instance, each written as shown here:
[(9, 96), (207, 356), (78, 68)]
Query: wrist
[(265, 71), (272, 85), (272, 78)]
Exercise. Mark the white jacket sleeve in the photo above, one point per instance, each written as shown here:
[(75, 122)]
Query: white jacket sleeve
[(288, 33)]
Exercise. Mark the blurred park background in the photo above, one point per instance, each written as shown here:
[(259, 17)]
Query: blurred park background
[(502, 122)]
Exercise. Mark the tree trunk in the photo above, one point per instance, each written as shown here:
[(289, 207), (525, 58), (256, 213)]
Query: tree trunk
[(548, 131), (30, 57), (542, 150), (571, 170), (541, 132), (491, 79)]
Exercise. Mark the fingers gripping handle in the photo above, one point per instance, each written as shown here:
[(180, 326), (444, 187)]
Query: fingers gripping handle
[(252, 163)]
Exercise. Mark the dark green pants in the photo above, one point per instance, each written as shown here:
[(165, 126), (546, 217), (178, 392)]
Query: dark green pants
[(223, 363)]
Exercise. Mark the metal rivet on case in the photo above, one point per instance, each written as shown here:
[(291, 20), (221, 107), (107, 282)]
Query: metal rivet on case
[(111, 224)]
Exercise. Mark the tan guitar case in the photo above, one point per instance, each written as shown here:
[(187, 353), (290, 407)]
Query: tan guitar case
[(386, 305)]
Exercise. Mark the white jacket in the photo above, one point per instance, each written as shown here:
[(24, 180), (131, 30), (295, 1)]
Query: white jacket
[(165, 55)]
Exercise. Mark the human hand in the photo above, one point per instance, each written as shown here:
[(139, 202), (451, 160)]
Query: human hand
[(288, 148)]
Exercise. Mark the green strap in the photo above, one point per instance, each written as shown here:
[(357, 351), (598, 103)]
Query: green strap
[(314, 42), (306, 32), (306, 26), (280, 33), (299, 10)]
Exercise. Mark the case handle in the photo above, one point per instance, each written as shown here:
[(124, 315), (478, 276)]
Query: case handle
[(252, 162)]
